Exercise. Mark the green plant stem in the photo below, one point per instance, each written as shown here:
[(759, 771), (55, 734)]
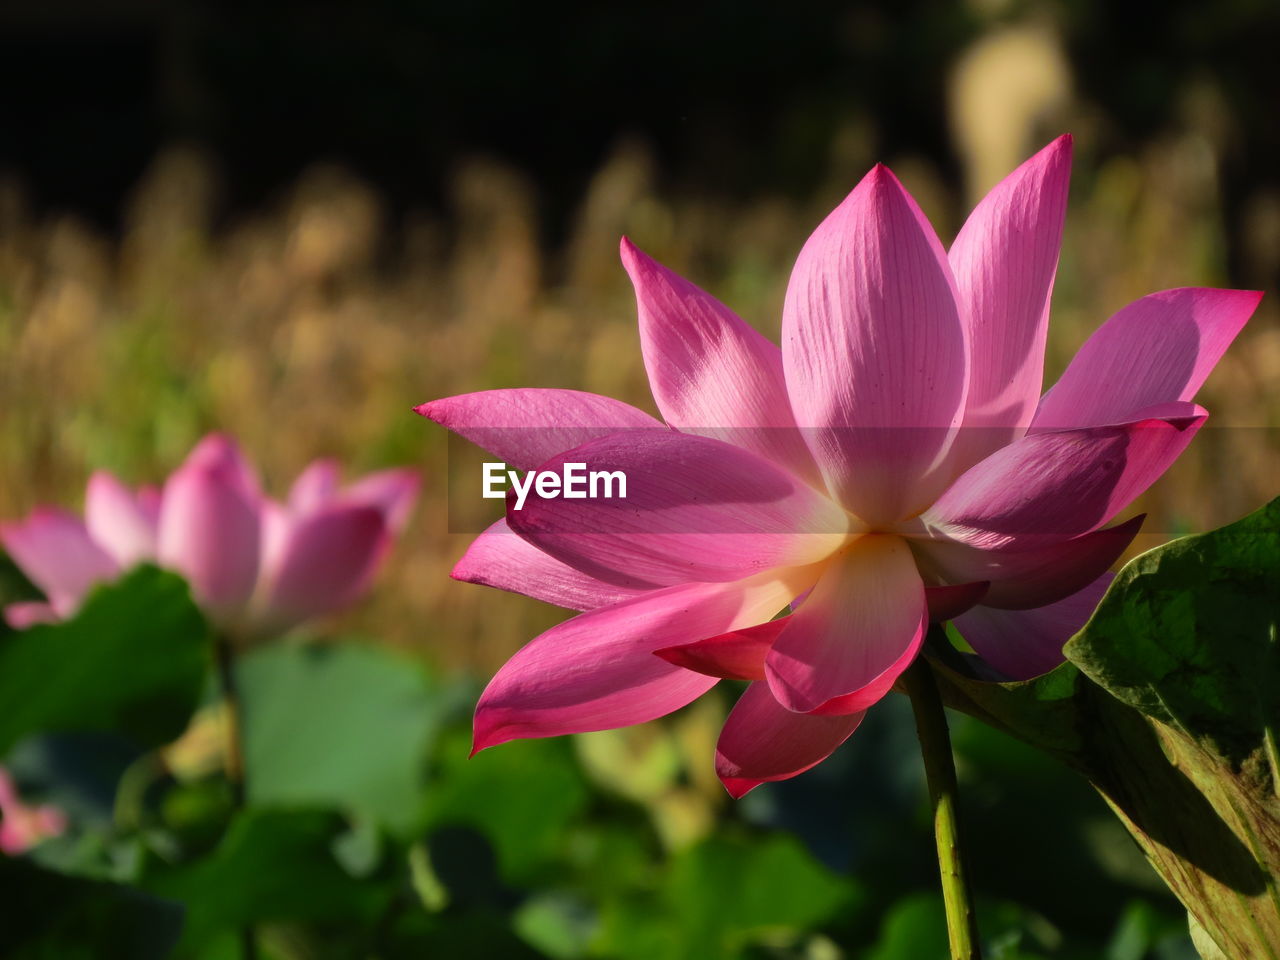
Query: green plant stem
[(233, 757), (940, 773)]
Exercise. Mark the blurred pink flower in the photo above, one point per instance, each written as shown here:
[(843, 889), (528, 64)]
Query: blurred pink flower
[(254, 565), (892, 464), (22, 827)]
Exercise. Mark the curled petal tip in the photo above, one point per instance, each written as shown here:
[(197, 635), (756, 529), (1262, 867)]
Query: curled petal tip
[(487, 732), (673, 655), (738, 787), (1195, 418)]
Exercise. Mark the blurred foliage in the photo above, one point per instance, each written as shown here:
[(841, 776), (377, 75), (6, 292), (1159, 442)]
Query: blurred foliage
[(369, 833), (311, 717), (50, 915), (108, 667), (1165, 706)]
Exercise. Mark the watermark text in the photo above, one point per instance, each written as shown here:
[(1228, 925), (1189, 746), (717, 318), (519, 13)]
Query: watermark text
[(573, 482)]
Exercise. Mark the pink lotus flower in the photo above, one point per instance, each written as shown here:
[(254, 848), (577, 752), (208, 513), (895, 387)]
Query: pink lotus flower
[(254, 565), (892, 464), (21, 826)]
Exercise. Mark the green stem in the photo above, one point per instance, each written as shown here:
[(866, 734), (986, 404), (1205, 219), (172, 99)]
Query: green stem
[(224, 654), (940, 773)]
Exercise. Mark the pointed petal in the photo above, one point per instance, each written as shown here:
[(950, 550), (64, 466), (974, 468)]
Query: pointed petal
[(1004, 260), (524, 428), (710, 372), (694, 509), (316, 485), (597, 671), (951, 600), (874, 351), (737, 655), (1050, 487), (1022, 579), (499, 558), (118, 521), (28, 613), (54, 549), (1026, 643), (763, 741), (859, 629), (325, 562), (221, 454), (209, 527), (1156, 350), (392, 491)]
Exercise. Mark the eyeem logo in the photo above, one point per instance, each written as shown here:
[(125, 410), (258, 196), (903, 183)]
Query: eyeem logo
[(575, 482)]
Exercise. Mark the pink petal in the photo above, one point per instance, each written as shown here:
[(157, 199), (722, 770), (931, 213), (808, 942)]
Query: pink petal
[(874, 351), (29, 613), (695, 509), (13, 840), (120, 522), (710, 372), (1050, 487), (221, 454), (524, 428), (276, 524), (148, 498), (951, 600), (597, 671), (391, 491), (1156, 350), (1022, 579), (22, 826), (499, 558), (737, 655), (316, 485), (1026, 643), (325, 562), (209, 527), (763, 741), (861, 627), (54, 549), (1004, 260)]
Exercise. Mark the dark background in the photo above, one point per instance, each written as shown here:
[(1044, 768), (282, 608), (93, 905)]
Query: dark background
[(741, 96)]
